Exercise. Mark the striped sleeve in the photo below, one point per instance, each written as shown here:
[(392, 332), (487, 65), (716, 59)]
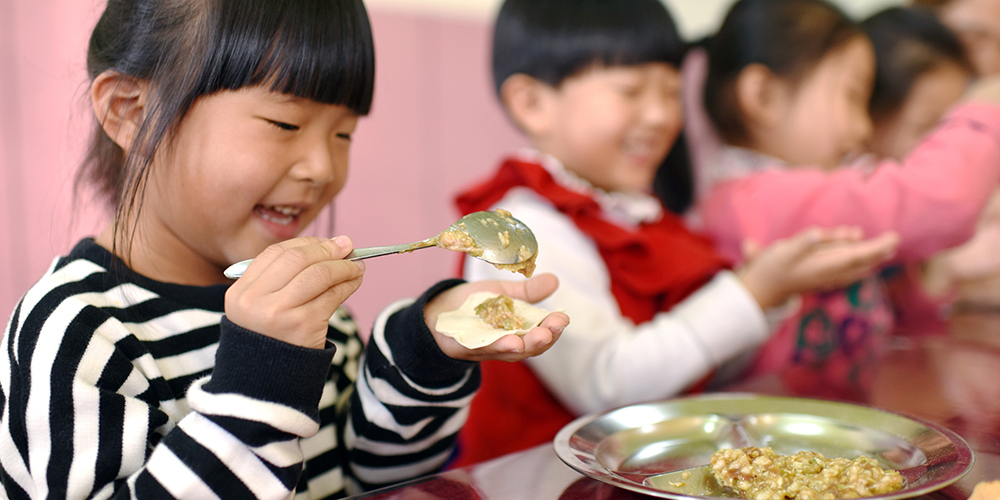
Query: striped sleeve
[(83, 417), (411, 399)]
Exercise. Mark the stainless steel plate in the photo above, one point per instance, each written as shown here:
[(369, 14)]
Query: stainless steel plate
[(632, 447)]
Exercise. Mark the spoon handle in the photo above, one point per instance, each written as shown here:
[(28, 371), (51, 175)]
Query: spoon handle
[(366, 253), (236, 270)]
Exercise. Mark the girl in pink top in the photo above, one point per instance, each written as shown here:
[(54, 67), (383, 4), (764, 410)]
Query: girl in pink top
[(787, 90)]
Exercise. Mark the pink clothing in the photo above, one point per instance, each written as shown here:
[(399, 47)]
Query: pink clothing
[(933, 200), (830, 346)]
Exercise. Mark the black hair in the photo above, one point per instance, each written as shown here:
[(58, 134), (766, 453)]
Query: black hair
[(551, 40), (789, 37), (908, 42), (674, 180), (185, 49)]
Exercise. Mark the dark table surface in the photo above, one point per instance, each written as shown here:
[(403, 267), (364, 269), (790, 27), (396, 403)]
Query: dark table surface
[(951, 379)]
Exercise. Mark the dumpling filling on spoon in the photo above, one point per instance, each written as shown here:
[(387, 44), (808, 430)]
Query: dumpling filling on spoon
[(458, 239), (484, 317)]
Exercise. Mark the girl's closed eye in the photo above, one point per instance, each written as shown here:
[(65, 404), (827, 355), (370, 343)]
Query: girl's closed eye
[(283, 125), (344, 135)]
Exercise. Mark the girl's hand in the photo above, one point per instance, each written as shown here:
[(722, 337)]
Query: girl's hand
[(510, 347), (815, 259), (291, 289)]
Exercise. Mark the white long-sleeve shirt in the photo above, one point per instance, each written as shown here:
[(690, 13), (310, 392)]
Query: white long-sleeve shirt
[(604, 360)]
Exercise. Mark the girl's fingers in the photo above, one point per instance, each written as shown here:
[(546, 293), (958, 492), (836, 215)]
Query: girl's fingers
[(272, 252), (320, 279), (279, 264), (513, 347)]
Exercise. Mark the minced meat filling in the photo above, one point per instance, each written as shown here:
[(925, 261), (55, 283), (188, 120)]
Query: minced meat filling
[(762, 474), (498, 312)]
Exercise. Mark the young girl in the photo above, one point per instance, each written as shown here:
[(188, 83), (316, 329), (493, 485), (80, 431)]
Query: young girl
[(134, 368), (595, 87), (921, 72), (787, 89), (922, 66)]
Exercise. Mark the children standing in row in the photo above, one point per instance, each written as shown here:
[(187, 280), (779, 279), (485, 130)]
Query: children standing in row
[(596, 88), (788, 89), (134, 368)]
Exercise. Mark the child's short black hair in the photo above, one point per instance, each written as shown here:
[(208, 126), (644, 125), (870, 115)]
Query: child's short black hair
[(789, 37), (551, 40), (908, 42), (186, 49)]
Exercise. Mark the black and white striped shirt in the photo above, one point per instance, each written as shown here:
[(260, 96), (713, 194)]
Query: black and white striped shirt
[(114, 385)]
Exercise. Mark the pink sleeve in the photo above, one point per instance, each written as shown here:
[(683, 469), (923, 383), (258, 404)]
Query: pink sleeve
[(932, 200)]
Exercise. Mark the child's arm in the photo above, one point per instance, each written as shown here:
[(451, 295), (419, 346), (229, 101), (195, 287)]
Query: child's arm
[(415, 385), (88, 412), (932, 200), (604, 360)]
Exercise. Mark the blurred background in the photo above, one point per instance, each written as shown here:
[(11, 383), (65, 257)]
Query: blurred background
[(435, 127)]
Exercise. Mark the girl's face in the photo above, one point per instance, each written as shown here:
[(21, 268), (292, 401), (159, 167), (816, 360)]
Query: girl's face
[(613, 126), (247, 169), (824, 119), (930, 97)]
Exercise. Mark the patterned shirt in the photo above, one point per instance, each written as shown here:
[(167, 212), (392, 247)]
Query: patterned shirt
[(112, 384)]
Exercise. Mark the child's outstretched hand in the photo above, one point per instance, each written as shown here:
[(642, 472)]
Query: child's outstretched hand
[(815, 259), (292, 288), (510, 347)]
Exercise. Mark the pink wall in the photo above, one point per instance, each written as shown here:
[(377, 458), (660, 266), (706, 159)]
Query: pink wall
[(434, 128)]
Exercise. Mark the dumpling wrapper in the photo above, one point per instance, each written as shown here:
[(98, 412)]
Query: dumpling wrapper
[(473, 332)]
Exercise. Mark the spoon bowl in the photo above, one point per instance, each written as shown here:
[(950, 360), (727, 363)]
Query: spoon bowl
[(502, 238), (493, 236)]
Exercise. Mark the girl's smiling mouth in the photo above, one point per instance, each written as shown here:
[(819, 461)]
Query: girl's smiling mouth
[(282, 221), (282, 215)]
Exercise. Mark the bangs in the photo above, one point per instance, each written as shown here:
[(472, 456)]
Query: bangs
[(318, 50), (555, 41)]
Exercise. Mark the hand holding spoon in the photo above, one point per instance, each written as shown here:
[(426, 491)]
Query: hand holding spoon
[(495, 237)]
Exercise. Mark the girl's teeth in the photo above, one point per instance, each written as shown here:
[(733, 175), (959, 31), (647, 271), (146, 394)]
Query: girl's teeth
[(278, 215)]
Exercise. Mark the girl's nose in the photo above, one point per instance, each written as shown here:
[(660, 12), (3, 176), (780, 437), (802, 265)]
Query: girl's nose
[(318, 167)]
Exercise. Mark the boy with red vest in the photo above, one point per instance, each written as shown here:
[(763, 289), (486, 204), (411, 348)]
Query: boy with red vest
[(596, 87)]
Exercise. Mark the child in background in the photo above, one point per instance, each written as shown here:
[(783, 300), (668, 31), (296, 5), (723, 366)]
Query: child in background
[(787, 90), (595, 86), (134, 368), (972, 269), (921, 72), (977, 24)]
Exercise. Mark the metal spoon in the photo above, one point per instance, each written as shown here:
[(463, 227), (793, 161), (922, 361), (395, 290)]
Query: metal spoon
[(496, 237)]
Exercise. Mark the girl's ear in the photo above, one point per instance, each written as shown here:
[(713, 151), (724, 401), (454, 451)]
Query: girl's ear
[(119, 102), (528, 102), (759, 96)]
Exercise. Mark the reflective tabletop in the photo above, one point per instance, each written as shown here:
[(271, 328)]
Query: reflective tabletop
[(952, 380)]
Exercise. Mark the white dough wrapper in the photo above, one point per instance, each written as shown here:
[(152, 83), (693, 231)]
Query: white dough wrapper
[(465, 326)]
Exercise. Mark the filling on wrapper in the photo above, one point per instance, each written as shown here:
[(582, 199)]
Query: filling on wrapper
[(470, 329), (498, 312), (762, 474)]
